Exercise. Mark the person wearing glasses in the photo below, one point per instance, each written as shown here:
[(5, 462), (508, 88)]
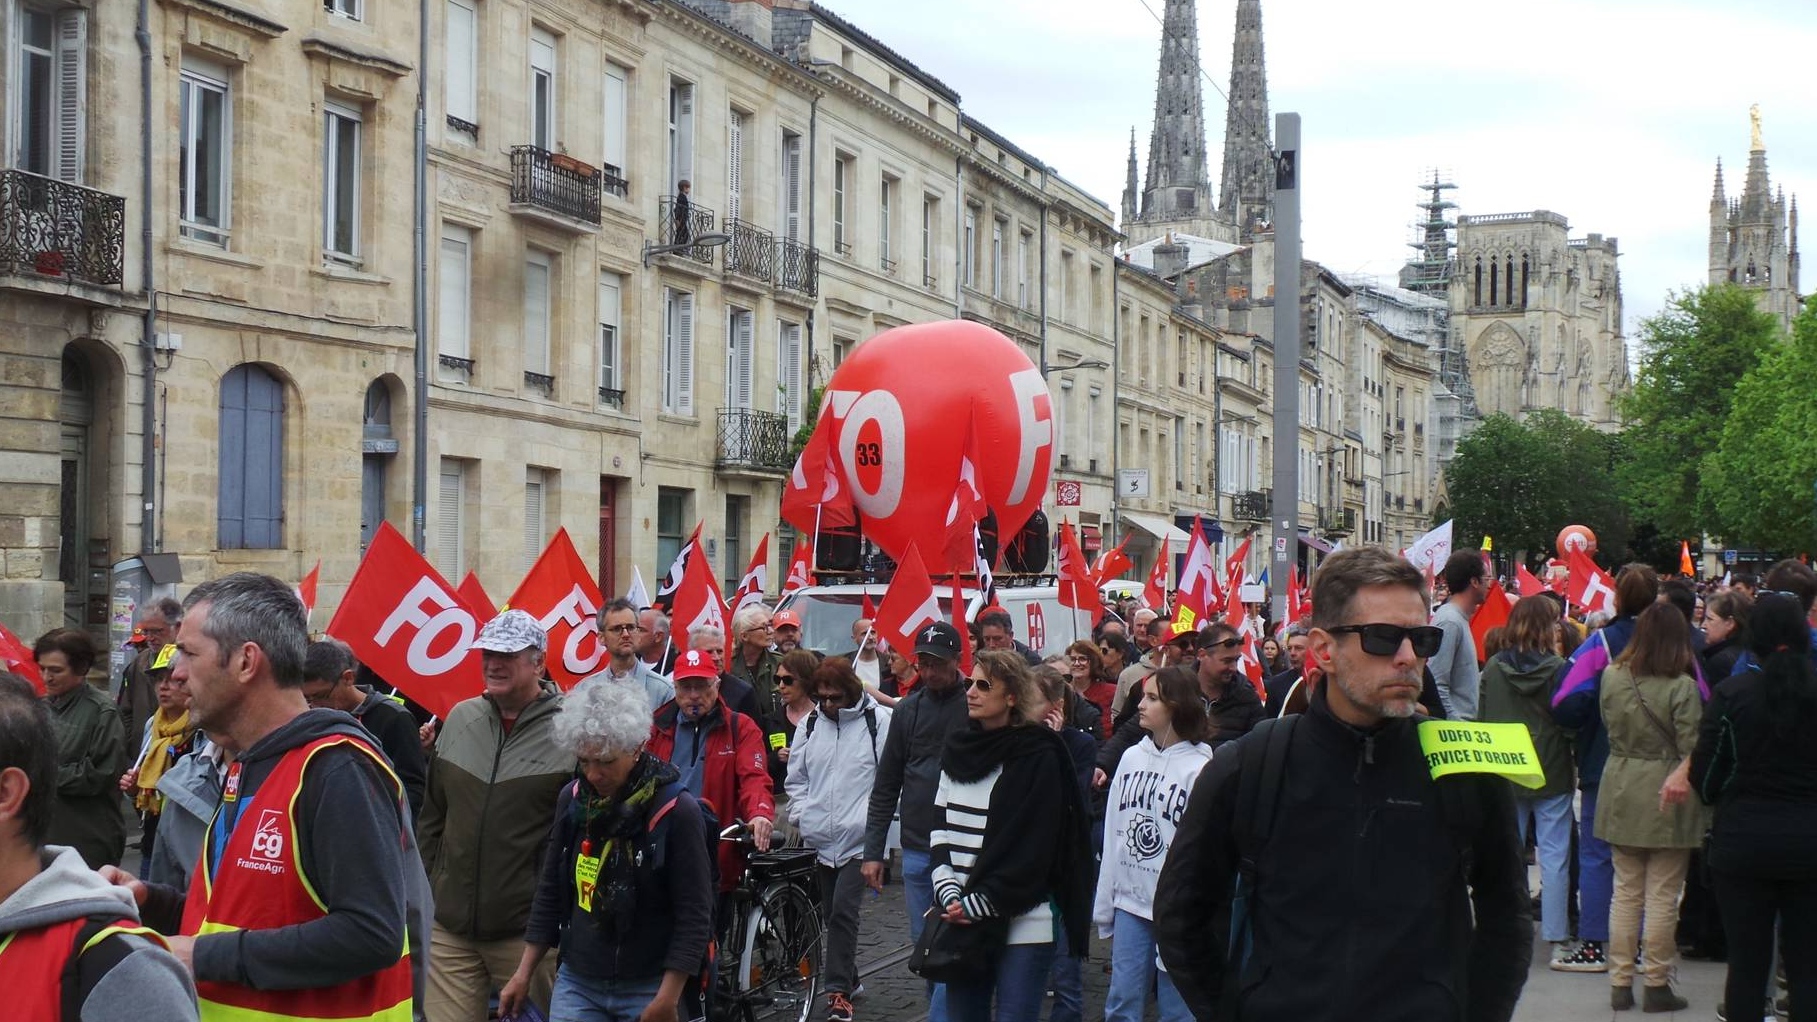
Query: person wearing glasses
[(752, 658), (832, 763), (619, 628), (1380, 892), (328, 672)]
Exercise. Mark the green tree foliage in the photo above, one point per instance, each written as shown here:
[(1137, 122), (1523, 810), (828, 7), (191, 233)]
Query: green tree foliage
[(1522, 481), (1763, 477), (1693, 355)]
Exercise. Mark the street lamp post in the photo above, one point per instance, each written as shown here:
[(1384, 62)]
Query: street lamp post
[(704, 241)]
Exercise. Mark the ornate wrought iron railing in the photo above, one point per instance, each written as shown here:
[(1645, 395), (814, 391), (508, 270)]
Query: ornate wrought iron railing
[(753, 250), (557, 183), (57, 229), (753, 439), (797, 268), (679, 221), (613, 180)]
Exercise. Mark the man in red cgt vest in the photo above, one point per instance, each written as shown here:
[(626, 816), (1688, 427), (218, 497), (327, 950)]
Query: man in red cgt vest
[(297, 907), (71, 946)]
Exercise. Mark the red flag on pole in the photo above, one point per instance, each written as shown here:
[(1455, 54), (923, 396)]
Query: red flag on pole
[(1233, 567), (402, 620), (1529, 584), (815, 497), (1110, 564), (756, 577), (1491, 615), (1685, 567), (559, 592), (474, 596), (1589, 587), (16, 656), (1077, 590), (1154, 594), (1237, 616), (908, 605), (968, 506), (306, 589), (869, 609), (697, 599), (1196, 591), (800, 572)]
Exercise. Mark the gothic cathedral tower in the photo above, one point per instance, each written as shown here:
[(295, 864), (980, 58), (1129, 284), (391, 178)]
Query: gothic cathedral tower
[(1754, 238)]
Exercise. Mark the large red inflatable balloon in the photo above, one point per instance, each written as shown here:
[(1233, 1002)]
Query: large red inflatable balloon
[(903, 410), (1576, 537)]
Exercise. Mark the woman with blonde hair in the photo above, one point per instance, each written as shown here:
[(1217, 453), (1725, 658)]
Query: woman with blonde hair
[(1010, 847)]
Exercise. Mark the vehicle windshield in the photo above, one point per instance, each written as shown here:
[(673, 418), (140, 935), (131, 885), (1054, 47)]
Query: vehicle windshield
[(826, 618)]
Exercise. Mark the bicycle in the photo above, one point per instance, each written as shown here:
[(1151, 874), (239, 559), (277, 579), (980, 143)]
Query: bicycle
[(769, 940)]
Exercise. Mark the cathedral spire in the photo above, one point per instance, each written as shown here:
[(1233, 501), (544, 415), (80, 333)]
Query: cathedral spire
[(1178, 187), (1130, 188), (1717, 198), (1247, 192)]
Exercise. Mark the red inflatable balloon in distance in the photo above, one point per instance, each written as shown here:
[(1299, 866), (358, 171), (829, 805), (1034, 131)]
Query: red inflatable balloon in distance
[(1576, 537), (899, 408)]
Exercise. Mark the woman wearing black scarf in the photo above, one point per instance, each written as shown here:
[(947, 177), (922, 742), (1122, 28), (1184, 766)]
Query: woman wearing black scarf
[(1011, 852), (626, 887)]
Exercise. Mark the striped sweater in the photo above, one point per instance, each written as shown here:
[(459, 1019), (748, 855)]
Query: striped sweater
[(964, 811)]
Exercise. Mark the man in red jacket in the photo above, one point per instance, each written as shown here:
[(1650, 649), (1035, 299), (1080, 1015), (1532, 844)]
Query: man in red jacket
[(720, 754)]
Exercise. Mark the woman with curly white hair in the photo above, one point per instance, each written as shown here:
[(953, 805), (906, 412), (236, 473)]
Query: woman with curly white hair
[(626, 887)]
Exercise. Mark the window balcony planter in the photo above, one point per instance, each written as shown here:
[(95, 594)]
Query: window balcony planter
[(555, 189), (751, 441), (541, 381), (612, 397), (679, 221), (52, 228)]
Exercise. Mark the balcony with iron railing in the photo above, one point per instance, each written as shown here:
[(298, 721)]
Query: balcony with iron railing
[(1252, 506), (680, 220), (1337, 521), (612, 181), (752, 251), (51, 228), (753, 441), (554, 188), (797, 268)]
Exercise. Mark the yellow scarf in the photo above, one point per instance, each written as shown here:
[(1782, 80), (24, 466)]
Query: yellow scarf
[(167, 733)]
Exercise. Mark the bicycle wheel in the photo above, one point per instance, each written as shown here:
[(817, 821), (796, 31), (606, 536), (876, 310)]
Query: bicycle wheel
[(779, 970)]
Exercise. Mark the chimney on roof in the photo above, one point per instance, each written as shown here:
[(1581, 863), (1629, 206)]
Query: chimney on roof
[(752, 18), (1170, 259)]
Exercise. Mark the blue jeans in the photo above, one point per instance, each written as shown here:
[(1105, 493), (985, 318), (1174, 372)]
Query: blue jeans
[(1552, 833), (918, 896), (1595, 875), (1020, 987), (1132, 969), (584, 999), (1067, 980)]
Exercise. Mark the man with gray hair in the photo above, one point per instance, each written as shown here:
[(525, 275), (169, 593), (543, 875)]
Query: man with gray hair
[(618, 629), (736, 691), (493, 781), (302, 908), (138, 695), (653, 645)]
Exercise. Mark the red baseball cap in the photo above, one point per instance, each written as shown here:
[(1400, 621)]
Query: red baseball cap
[(785, 619), (695, 663)]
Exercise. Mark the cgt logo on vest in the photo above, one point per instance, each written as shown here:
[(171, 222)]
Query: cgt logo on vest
[(267, 843)]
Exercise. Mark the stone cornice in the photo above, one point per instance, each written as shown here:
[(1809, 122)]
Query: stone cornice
[(238, 17), (317, 46), (724, 38)]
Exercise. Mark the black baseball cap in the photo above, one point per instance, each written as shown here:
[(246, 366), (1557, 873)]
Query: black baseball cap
[(938, 639)]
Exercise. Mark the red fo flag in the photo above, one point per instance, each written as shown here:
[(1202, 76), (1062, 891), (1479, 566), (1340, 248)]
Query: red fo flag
[(1529, 584), (1154, 594), (1077, 590), (1589, 587), (402, 620), (1492, 614), (16, 656), (908, 605), (800, 572), (1197, 590), (697, 598), (306, 588), (815, 497), (1110, 564), (968, 506), (1237, 616), (1233, 567), (559, 592), (475, 597), (756, 577)]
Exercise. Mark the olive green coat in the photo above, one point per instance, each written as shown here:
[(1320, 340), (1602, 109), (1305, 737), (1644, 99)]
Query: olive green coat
[(91, 756), (1641, 757)]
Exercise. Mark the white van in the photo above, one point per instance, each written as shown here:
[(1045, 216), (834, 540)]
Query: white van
[(1042, 624)]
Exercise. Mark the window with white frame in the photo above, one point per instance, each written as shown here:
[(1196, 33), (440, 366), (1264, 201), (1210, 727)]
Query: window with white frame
[(542, 88), (741, 357), (886, 211), (790, 200), (460, 83), (538, 282), (341, 183), (737, 122), (999, 225), (681, 133), (617, 104), (204, 141), (352, 10), (450, 520), (1025, 247), (930, 209), (788, 371), (536, 494), (454, 301), (968, 249), (678, 352), (842, 182), (611, 352), (51, 61)]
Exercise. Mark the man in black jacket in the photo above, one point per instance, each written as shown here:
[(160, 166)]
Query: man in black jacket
[(1377, 892), (908, 774), (329, 668)]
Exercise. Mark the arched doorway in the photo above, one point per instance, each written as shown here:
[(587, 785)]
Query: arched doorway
[(75, 417), (378, 447)]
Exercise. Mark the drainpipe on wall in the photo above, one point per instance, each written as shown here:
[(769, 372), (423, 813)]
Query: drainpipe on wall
[(807, 353), (959, 225), (1116, 375), (419, 297), (148, 342)]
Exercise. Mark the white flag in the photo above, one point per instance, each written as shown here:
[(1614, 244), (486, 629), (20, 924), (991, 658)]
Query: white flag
[(1430, 552), (637, 594)]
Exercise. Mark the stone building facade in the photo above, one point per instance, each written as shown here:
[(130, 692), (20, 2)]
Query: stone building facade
[(1754, 237)]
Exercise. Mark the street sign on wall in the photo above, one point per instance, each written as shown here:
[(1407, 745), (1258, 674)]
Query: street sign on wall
[(1132, 482)]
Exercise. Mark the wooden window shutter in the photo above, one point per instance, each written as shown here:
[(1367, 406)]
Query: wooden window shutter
[(71, 92)]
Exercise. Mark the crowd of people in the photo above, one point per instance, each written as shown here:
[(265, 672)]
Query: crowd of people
[(312, 849)]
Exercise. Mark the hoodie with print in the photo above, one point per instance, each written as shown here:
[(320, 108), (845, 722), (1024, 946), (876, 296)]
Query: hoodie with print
[(1143, 805)]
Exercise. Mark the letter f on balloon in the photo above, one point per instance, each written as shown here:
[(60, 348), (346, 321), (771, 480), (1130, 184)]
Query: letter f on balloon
[(1034, 410)]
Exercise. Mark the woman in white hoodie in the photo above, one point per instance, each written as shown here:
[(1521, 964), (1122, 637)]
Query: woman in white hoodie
[(832, 762), (1145, 802)]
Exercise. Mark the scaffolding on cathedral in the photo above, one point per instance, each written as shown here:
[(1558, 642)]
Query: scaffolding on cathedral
[(1429, 273)]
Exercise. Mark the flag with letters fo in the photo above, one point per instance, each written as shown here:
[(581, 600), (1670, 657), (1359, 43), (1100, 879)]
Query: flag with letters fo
[(559, 592), (1196, 592), (756, 577), (401, 619), (1589, 587), (698, 601), (909, 604), (800, 571), (1077, 590), (1154, 593), (1110, 564), (1237, 616), (815, 496)]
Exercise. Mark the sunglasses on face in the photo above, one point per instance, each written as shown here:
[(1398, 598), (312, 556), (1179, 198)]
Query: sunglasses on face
[(1225, 644), (784, 679), (830, 697), (1385, 640), (981, 684)]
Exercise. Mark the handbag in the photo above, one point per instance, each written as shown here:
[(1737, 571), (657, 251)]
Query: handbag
[(958, 952)]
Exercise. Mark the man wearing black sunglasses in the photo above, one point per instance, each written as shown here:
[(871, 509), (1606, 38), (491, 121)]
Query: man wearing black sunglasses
[(1372, 890)]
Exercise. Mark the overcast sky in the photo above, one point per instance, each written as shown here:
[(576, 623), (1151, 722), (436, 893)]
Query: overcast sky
[(1611, 112)]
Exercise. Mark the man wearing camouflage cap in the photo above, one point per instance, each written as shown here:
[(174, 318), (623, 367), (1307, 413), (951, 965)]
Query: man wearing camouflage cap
[(494, 776)]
